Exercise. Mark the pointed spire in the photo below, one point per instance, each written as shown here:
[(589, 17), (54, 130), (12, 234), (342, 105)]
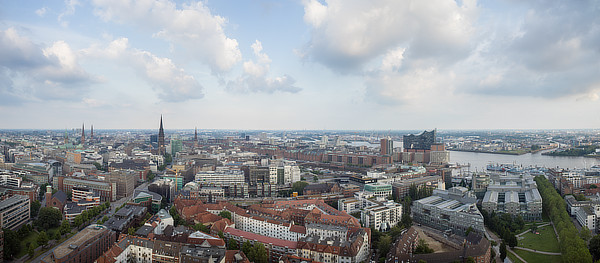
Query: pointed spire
[(82, 133), (196, 134), (161, 138), (92, 132)]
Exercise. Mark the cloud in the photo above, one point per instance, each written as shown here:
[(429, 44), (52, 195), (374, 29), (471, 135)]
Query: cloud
[(191, 27), (346, 35), (41, 12), (30, 71), (171, 83), (255, 77), (70, 6), (411, 51)]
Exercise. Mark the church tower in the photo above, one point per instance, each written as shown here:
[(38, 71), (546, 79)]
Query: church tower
[(83, 134), (92, 133), (195, 137), (161, 138)]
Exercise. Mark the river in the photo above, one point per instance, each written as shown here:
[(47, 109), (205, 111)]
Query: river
[(479, 161)]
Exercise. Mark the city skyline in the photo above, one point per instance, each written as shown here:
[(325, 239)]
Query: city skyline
[(300, 65)]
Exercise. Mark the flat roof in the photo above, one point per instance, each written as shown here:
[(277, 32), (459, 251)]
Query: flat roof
[(77, 240)]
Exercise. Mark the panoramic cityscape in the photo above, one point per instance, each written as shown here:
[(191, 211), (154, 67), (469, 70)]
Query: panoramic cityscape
[(299, 131)]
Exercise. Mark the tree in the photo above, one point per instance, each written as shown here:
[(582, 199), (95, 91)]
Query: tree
[(65, 227), (585, 234), (24, 231), (247, 248), (384, 245), (512, 241), (299, 186), (594, 247), (232, 244), (31, 249), (12, 244), (201, 227), (131, 231), (470, 260), (469, 230), (502, 250), (35, 208), (225, 214), (57, 235), (315, 178), (260, 253), (43, 239), (48, 217), (78, 221), (150, 176), (423, 248)]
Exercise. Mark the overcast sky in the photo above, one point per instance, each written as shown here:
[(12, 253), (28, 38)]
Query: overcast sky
[(337, 64)]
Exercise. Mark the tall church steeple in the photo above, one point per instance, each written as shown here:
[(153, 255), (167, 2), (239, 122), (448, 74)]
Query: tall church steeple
[(83, 134), (161, 138), (92, 133), (195, 136)]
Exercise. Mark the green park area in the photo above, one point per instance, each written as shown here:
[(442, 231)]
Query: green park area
[(513, 258), (544, 241), (536, 257)]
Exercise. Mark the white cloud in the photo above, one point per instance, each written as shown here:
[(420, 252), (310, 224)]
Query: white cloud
[(256, 79), (192, 27), (172, 83), (33, 72), (41, 12), (346, 35), (70, 6)]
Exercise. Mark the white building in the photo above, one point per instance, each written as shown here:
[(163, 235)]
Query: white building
[(222, 176), (587, 217), (162, 219), (382, 216)]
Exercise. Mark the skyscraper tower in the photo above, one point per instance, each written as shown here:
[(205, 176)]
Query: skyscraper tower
[(161, 138), (82, 134)]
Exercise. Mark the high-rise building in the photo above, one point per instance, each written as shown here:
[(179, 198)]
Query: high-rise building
[(387, 146), (422, 141), (161, 138)]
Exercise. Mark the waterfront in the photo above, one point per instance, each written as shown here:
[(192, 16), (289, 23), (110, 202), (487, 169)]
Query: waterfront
[(479, 161)]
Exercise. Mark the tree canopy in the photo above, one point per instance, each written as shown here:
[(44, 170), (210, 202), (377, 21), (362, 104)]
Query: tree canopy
[(49, 217)]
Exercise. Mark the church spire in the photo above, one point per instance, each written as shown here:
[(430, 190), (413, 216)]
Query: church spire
[(161, 138), (83, 134)]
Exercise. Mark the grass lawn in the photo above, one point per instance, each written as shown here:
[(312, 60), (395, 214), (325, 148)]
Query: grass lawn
[(32, 237), (545, 241), (513, 258), (535, 257)]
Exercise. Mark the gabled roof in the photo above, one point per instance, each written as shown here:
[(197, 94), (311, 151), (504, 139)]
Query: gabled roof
[(60, 196)]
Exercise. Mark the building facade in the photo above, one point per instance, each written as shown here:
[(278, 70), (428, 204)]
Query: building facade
[(14, 212)]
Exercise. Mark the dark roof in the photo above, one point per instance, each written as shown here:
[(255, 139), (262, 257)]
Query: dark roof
[(144, 231), (73, 208), (317, 187), (61, 196), (474, 238)]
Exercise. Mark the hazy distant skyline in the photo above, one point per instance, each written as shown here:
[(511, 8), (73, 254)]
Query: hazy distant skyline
[(303, 64)]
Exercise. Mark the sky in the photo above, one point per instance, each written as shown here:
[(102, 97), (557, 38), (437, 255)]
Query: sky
[(300, 64)]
